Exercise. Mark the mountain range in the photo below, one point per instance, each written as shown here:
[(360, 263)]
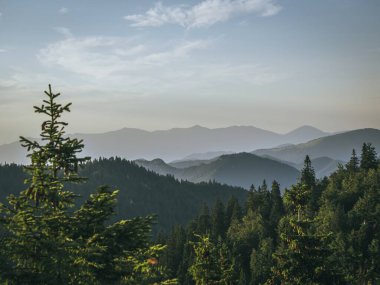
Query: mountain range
[(337, 147), (176, 143), (281, 163), (241, 169)]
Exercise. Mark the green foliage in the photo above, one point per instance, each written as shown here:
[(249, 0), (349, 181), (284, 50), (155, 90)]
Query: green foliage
[(308, 173), (141, 192), (45, 241), (211, 263), (261, 261), (218, 220), (233, 211), (368, 157), (353, 165), (302, 255), (55, 161)]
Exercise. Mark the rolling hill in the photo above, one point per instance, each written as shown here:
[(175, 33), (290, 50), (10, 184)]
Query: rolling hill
[(241, 169), (323, 166), (142, 192), (337, 147)]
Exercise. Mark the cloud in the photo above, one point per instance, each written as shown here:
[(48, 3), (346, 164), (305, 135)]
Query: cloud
[(101, 64), (180, 51), (2, 50), (204, 14), (63, 10), (105, 57)]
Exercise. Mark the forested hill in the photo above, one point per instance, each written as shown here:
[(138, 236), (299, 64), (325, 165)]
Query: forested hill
[(240, 169), (142, 192)]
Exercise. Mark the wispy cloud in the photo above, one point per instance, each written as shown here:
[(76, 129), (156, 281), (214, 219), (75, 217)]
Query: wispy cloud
[(204, 14), (2, 50), (63, 10), (104, 57)]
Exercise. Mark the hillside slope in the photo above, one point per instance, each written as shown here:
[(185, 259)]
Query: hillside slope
[(142, 192), (242, 169), (337, 147)]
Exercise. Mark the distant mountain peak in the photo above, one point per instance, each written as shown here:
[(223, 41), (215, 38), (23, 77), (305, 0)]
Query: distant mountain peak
[(307, 128), (198, 127)]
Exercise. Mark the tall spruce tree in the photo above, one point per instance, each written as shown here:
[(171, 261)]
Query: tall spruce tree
[(302, 255), (353, 165), (233, 211), (368, 157), (218, 221), (308, 173), (44, 241)]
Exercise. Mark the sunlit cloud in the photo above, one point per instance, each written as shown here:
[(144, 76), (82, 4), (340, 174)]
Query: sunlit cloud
[(204, 14)]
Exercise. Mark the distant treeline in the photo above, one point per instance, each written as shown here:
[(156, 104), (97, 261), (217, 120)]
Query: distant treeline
[(141, 192)]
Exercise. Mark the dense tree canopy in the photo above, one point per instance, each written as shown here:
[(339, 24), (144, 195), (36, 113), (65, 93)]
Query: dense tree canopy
[(320, 232)]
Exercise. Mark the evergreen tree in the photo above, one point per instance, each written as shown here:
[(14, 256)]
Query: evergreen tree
[(218, 221), (233, 211), (175, 250), (45, 242), (211, 264), (302, 257), (308, 179), (368, 157), (204, 221), (261, 262), (308, 173), (245, 236), (277, 209), (353, 165)]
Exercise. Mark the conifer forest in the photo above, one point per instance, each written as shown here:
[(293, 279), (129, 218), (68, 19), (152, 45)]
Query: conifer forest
[(55, 229)]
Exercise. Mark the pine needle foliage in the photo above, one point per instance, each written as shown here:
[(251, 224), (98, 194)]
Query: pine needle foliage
[(44, 240)]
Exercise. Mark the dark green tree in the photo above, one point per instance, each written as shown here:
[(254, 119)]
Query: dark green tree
[(233, 211), (218, 221), (368, 157), (302, 256), (353, 165), (261, 262), (277, 209), (212, 263), (44, 241), (174, 253), (308, 173), (204, 221)]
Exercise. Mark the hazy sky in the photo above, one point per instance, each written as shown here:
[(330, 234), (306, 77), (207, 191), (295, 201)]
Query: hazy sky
[(156, 65)]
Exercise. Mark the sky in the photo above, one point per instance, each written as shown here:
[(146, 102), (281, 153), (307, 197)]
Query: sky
[(272, 64)]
